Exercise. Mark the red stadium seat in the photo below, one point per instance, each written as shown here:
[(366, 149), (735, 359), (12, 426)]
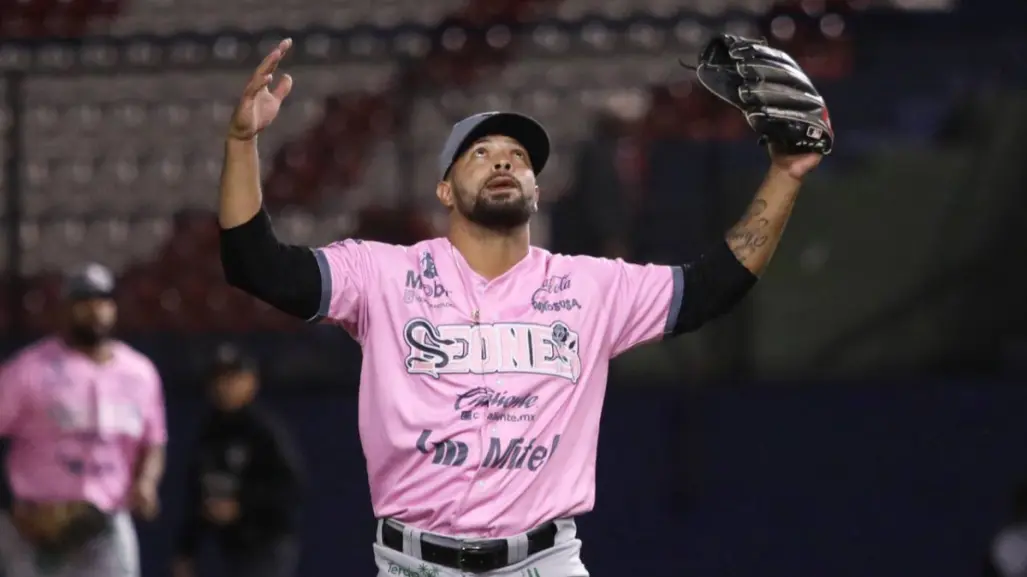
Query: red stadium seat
[(6, 311), (42, 303), (56, 18)]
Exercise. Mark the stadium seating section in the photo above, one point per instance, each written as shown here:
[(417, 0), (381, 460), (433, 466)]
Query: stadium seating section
[(123, 168)]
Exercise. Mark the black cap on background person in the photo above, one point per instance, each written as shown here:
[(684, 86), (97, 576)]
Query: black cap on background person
[(233, 378), (88, 281), (91, 313), (230, 358)]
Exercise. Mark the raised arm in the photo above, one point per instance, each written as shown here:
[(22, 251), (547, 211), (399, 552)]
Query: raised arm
[(311, 284), (718, 280), (756, 236), (258, 107), (659, 301), (284, 276)]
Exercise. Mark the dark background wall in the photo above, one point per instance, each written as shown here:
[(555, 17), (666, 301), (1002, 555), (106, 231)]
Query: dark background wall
[(885, 478)]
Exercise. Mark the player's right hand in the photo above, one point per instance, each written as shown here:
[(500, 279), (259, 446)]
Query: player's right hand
[(260, 103)]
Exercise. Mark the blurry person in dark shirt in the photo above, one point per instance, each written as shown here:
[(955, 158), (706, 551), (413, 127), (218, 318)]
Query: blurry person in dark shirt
[(244, 481), (598, 214)]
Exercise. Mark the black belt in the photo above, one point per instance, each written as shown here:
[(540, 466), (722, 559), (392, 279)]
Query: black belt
[(471, 556)]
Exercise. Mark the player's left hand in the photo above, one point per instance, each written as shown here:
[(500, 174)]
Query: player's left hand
[(221, 511), (795, 165), (145, 501)]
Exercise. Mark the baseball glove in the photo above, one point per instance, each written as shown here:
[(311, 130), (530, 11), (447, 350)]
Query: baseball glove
[(59, 528), (777, 98)]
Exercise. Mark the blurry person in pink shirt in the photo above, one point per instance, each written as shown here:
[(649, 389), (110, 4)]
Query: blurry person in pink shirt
[(485, 358), (84, 417)]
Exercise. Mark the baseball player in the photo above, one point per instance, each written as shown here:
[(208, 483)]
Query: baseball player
[(84, 414), (485, 358), (245, 480)]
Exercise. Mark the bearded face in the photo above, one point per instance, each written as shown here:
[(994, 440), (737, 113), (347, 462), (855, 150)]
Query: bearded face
[(91, 321), (493, 184)]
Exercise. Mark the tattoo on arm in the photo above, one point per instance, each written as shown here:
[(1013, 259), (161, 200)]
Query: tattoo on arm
[(751, 233), (755, 238)]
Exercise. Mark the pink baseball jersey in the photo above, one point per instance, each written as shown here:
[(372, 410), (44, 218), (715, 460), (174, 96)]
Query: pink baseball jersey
[(480, 400), (77, 427)]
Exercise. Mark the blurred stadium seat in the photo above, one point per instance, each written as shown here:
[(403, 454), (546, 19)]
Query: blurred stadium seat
[(171, 16), (123, 167)]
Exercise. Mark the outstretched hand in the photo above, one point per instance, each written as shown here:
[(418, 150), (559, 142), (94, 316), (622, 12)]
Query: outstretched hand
[(795, 165), (260, 103)]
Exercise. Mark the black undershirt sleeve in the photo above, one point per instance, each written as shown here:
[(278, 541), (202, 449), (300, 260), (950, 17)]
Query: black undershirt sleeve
[(713, 284), (288, 277), (284, 276)]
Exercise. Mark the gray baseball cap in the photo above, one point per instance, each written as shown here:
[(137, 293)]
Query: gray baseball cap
[(523, 129), (90, 280)]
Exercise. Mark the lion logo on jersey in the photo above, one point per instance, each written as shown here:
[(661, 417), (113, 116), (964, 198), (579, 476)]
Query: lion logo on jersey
[(492, 348), (428, 270)]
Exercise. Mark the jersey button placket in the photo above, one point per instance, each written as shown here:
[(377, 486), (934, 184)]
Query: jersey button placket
[(482, 286), (493, 429), (479, 287)]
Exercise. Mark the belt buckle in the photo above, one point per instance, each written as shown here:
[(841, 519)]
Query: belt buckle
[(471, 557)]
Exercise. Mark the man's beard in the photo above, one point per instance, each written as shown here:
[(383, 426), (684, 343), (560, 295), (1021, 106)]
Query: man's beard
[(505, 214), (86, 336)]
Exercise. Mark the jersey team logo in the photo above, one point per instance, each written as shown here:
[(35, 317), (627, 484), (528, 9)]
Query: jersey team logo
[(492, 348), (423, 286)]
